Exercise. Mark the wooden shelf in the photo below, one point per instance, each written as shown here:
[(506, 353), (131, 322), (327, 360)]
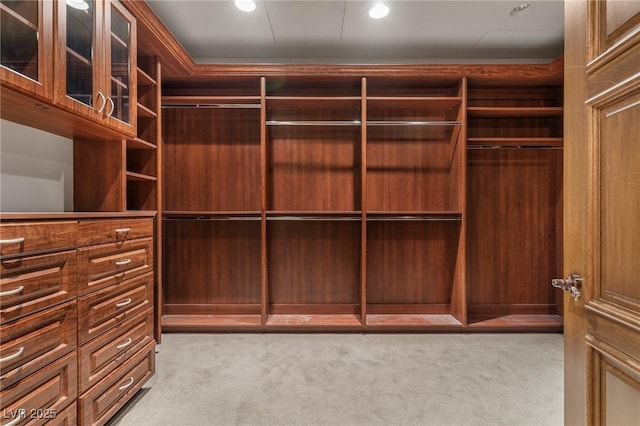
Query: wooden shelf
[(514, 112), (551, 323), (310, 102), (412, 320), (193, 323), (412, 215), (145, 79), (144, 111), (313, 215), (240, 102), (413, 101), (139, 177), (515, 142), (137, 143), (210, 213), (316, 320)]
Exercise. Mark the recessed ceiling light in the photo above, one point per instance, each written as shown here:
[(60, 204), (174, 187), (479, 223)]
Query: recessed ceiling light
[(246, 5), (379, 10), (522, 9), (78, 4)]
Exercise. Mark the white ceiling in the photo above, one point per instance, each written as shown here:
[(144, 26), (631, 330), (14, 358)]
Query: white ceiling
[(340, 31)]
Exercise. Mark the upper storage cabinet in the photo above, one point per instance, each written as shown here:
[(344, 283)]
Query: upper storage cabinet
[(27, 36), (96, 62)]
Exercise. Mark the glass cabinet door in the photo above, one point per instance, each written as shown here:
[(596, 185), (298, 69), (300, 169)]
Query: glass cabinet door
[(120, 75), (80, 25), (26, 44)]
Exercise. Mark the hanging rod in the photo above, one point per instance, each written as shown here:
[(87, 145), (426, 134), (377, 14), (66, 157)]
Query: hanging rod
[(438, 218), (315, 217), (313, 123), (481, 147), (412, 123), (214, 106), (211, 218)]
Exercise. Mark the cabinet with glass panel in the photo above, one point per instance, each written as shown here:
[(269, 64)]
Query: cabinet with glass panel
[(26, 61), (97, 57)]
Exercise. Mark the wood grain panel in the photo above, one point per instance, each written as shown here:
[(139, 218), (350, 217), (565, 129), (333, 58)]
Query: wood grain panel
[(313, 262), (105, 353), (204, 150), (102, 265), (620, 206), (99, 175), (34, 283), (514, 205), (621, 17), (113, 231), (37, 340), (407, 173), (51, 388), (98, 405), (211, 262), (411, 262), (313, 168), (36, 236), (105, 309)]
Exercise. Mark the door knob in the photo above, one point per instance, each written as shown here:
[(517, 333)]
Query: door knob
[(572, 284)]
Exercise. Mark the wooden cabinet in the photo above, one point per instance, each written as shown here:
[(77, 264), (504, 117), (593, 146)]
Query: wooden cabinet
[(514, 197), (396, 201), (96, 62), (77, 312), (26, 62)]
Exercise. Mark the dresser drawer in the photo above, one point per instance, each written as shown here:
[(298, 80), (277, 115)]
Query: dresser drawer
[(29, 344), (103, 310), (112, 231), (98, 405), (108, 264), (67, 417), (21, 238), (44, 393), (30, 284), (105, 353)]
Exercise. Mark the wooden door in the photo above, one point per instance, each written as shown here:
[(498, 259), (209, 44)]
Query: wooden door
[(26, 62), (120, 66), (602, 211)]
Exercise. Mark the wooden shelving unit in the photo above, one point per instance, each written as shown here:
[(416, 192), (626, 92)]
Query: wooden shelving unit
[(351, 204), (514, 181)]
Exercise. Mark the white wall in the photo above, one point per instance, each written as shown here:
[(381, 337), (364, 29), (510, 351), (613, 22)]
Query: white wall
[(36, 170)]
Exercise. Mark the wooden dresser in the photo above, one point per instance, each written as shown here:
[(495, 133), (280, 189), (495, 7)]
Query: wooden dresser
[(76, 314)]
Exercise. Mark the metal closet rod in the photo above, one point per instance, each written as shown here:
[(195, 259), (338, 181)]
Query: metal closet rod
[(214, 106), (223, 218), (358, 123), (481, 147)]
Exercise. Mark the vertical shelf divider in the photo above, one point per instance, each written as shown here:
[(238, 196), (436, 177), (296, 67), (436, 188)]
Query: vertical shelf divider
[(459, 294), (363, 205), (159, 165), (264, 273)]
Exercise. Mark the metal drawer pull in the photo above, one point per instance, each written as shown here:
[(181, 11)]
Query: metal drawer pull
[(13, 356), (123, 262), (122, 230), (123, 303), (126, 385), (125, 343), (113, 107), (19, 417), (13, 241), (12, 292), (104, 102)]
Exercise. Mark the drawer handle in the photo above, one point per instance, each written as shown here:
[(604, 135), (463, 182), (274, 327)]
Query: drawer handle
[(122, 230), (13, 356), (13, 241), (19, 417), (123, 303), (12, 292), (123, 262), (125, 343), (128, 384)]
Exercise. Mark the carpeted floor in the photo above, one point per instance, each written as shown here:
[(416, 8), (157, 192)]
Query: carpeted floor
[(353, 379)]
